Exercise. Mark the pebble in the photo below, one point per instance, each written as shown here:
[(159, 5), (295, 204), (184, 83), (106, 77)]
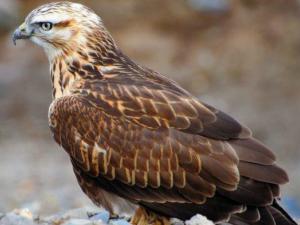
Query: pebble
[(175, 221), (82, 222), (81, 213), (119, 222), (199, 220), (103, 216)]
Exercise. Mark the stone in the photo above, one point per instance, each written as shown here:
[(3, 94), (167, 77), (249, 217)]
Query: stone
[(82, 222), (199, 220), (119, 222), (175, 221), (103, 216)]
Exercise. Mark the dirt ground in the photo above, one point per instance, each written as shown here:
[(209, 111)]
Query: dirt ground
[(243, 58)]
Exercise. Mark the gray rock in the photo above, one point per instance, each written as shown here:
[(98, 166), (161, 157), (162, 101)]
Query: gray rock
[(103, 216), (119, 222), (175, 221), (81, 216), (81, 213), (65, 217), (199, 220), (82, 222)]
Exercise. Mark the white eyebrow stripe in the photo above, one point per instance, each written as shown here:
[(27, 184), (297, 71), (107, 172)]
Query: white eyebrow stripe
[(51, 17)]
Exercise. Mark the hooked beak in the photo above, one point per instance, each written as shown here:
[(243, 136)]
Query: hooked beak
[(20, 33)]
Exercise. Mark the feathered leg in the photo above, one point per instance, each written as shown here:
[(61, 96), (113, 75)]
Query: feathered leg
[(144, 217)]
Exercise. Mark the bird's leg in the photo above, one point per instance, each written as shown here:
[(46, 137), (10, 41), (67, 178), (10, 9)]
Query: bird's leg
[(144, 217), (139, 217)]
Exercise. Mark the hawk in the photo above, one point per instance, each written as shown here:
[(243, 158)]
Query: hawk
[(139, 142)]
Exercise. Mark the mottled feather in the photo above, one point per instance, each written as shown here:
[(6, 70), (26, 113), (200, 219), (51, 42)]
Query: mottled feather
[(135, 135)]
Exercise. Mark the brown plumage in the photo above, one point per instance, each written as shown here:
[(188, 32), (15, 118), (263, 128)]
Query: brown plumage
[(133, 134)]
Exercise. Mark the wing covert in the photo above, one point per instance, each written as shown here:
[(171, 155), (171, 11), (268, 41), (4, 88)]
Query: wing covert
[(154, 106), (116, 149)]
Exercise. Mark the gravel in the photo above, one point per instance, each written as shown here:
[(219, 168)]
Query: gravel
[(81, 216)]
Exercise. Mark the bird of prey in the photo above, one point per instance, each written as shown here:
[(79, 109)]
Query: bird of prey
[(138, 142)]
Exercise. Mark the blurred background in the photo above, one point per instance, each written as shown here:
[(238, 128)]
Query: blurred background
[(242, 56)]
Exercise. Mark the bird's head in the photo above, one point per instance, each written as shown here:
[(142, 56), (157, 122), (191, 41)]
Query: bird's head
[(61, 27)]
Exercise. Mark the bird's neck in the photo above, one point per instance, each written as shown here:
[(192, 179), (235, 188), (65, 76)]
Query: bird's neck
[(94, 62), (61, 77)]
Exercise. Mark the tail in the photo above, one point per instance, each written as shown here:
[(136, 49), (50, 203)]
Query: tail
[(269, 215)]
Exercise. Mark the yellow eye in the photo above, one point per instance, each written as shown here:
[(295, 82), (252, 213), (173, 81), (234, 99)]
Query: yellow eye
[(46, 26)]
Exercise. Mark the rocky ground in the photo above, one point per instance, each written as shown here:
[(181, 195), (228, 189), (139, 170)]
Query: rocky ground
[(81, 216), (240, 56)]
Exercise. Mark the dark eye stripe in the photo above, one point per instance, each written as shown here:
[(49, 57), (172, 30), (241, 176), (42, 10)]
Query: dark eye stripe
[(63, 23)]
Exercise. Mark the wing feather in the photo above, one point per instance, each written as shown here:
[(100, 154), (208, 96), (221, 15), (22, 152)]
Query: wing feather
[(162, 148), (129, 150)]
